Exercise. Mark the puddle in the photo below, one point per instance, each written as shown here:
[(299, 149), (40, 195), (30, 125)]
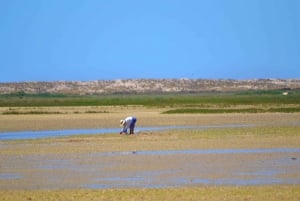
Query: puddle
[(9, 176), (128, 182), (175, 182), (22, 135), (208, 151), (54, 164), (209, 167)]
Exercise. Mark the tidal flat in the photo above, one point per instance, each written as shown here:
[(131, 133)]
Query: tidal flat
[(257, 162)]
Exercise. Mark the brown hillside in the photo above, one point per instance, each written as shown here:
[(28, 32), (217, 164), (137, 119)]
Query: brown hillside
[(147, 86)]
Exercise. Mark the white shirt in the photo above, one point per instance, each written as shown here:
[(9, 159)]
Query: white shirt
[(127, 123)]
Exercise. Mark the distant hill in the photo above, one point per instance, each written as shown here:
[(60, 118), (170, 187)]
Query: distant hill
[(147, 86)]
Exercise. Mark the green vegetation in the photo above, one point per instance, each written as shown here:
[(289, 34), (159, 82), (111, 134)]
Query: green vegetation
[(29, 112), (219, 99), (15, 112), (222, 110)]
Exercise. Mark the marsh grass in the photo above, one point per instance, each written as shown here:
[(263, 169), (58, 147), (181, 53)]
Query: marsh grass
[(158, 100), (50, 110), (231, 110), (29, 112)]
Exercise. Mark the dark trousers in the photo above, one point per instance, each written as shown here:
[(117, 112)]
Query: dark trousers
[(132, 125)]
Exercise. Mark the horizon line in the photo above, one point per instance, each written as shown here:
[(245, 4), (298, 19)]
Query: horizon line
[(124, 79)]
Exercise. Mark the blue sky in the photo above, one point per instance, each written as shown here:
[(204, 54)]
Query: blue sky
[(49, 40)]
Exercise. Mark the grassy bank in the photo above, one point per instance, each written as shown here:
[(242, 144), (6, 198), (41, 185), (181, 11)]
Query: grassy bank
[(234, 110), (158, 100)]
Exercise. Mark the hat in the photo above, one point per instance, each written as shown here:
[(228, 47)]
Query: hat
[(122, 122)]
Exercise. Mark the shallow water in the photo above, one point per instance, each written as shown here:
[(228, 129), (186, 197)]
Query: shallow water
[(8, 176), (152, 169), (21, 135), (202, 151), (204, 167)]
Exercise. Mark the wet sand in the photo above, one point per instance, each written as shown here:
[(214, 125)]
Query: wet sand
[(134, 169)]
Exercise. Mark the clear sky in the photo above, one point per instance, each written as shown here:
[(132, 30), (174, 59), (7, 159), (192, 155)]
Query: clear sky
[(50, 40)]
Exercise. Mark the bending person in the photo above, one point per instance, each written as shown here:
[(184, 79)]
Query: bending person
[(128, 122)]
